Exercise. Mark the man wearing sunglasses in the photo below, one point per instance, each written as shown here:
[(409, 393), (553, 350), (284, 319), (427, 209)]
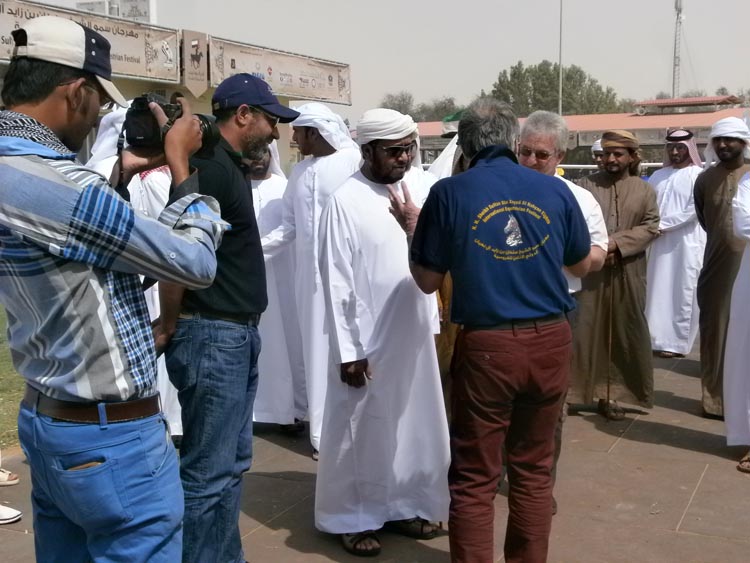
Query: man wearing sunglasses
[(213, 354), (544, 142), (105, 476), (384, 443)]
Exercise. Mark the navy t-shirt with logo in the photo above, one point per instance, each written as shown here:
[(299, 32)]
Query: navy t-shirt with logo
[(504, 232)]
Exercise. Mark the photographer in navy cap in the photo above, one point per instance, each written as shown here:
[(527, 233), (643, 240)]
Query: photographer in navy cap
[(211, 335), (105, 481)]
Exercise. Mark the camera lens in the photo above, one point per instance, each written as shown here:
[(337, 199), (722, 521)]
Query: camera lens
[(209, 130)]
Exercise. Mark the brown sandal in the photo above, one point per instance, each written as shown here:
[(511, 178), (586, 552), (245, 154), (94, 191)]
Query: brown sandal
[(744, 464), (351, 543), (610, 410), (417, 528)]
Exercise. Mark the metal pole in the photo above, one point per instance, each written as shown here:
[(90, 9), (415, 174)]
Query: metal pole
[(559, 63)]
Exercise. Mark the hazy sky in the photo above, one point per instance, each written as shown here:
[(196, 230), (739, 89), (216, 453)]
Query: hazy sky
[(435, 48)]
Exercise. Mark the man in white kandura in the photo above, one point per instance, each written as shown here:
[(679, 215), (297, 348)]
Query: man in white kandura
[(737, 355), (322, 134), (384, 448), (676, 257), (281, 397)]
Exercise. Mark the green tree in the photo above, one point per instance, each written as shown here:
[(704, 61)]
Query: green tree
[(722, 91), (401, 101), (535, 87), (435, 110), (663, 95), (695, 93), (626, 105)]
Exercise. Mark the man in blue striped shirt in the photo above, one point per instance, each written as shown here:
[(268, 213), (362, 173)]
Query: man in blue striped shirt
[(105, 478)]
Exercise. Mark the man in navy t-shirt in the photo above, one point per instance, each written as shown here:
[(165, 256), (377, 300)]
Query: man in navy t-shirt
[(504, 232)]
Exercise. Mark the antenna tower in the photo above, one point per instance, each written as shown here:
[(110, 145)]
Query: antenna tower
[(677, 43)]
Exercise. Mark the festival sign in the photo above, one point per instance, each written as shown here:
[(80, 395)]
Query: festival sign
[(138, 50), (288, 74), (194, 54)]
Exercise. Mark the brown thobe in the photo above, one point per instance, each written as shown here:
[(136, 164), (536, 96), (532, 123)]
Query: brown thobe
[(612, 301), (714, 190)]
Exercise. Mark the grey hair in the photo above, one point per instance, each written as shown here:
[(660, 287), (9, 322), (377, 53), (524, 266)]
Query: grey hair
[(547, 123), (486, 122)]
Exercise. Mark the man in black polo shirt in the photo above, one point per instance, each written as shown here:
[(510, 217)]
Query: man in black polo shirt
[(213, 352), (504, 232)]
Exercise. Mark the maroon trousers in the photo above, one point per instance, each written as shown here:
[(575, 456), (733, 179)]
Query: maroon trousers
[(508, 388)]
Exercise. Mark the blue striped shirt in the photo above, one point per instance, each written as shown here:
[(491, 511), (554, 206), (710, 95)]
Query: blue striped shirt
[(71, 250)]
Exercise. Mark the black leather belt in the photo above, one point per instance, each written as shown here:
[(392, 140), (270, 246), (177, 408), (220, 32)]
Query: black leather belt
[(522, 323), (242, 318), (71, 411)]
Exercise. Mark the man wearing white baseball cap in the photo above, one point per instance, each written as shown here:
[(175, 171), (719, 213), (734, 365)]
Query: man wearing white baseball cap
[(105, 476)]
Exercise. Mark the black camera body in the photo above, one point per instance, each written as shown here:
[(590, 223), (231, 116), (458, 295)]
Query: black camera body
[(142, 130)]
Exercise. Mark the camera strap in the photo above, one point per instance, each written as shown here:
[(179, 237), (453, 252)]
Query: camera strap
[(121, 188), (167, 126)]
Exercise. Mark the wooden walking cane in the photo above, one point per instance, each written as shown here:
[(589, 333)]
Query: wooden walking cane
[(609, 335), (612, 304), (611, 312)]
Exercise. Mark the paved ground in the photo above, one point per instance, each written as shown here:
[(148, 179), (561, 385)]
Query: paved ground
[(658, 487)]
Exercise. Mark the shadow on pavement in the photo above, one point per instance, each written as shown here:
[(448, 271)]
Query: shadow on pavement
[(683, 366), (671, 435), (669, 400), (282, 502), (298, 443)]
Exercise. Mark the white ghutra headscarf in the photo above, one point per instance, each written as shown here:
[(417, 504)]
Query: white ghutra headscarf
[(330, 125), (732, 127)]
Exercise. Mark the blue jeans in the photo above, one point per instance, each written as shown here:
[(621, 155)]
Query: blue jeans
[(214, 366), (127, 508)]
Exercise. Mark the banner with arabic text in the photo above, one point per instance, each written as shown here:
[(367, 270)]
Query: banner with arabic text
[(138, 50), (294, 76)]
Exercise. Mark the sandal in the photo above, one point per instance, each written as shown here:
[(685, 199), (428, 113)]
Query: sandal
[(351, 543), (7, 478), (666, 354), (744, 464), (611, 410), (417, 528)]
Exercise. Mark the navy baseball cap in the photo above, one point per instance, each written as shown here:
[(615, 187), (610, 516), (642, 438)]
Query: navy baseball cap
[(250, 90), (65, 42)]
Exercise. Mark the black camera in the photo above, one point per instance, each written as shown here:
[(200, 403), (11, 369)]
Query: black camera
[(142, 130)]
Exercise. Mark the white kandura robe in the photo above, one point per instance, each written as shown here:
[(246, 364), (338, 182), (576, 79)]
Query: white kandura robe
[(281, 395), (149, 193), (737, 351), (310, 185), (384, 451), (674, 262)]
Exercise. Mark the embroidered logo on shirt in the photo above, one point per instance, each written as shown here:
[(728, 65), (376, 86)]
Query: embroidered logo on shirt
[(513, 231), (510, 244)]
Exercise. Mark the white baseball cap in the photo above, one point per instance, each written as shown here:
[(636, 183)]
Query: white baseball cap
[(65, 42)]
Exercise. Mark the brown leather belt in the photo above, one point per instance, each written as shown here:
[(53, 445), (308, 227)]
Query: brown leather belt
[(71, 411), (522, 323), (242, 318)]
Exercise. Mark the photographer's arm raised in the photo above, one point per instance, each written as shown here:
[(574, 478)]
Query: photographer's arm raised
[(181, 141)]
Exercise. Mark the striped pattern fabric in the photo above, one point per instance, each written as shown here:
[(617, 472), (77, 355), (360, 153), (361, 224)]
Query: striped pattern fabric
[(71, 250)]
